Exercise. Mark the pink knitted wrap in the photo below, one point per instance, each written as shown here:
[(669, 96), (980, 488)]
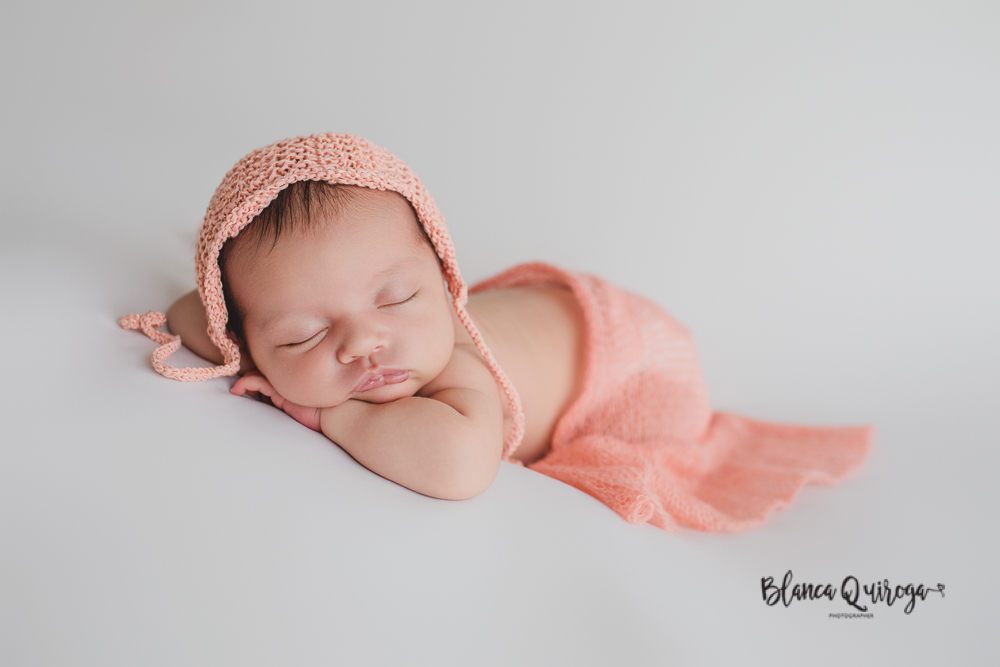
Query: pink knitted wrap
[(641, 435), (252, 184)]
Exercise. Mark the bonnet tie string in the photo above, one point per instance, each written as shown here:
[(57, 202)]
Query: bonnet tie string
[(148, 324)]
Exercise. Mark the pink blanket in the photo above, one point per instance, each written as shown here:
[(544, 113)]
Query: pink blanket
[(642, 438)]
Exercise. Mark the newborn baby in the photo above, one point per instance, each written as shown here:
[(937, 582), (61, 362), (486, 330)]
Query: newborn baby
[(338, 304), (326, 276)]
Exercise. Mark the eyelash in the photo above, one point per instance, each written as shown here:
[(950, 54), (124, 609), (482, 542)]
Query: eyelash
[(400, 303), (301, 343), (388, 305)]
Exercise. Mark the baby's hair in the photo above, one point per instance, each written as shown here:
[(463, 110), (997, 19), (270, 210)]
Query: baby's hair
[(296, 208)]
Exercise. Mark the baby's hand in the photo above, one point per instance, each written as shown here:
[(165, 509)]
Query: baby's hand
[(254, 383)]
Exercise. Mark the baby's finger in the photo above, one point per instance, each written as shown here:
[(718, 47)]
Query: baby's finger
[(250, 383), (240, 387)]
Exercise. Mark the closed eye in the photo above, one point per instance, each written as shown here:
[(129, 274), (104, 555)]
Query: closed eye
[(400, 303), (301, 343)]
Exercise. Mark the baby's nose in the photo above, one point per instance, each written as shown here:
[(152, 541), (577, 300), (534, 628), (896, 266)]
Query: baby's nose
[(359, 344)]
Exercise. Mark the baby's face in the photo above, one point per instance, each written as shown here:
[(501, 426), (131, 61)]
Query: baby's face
[(355, 307)]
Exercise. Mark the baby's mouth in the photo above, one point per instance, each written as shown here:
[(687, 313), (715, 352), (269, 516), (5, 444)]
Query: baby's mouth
[(375, 379)]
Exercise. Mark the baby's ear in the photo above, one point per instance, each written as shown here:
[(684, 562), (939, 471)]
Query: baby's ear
[(246, 361), (231, 335)]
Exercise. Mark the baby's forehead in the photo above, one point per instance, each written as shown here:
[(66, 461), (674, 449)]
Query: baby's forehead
[(385, 214), (313, 208), (379, 224)]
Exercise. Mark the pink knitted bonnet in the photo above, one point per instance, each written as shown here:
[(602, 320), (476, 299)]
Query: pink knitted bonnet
[(247, 190)]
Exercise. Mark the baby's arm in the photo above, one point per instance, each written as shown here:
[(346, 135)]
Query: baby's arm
[(187, 319), (447, 444)]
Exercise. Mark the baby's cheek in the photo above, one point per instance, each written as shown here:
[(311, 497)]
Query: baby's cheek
[(443, 339), (292, 384)]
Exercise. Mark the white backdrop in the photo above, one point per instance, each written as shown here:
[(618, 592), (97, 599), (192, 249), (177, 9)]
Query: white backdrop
[(812, 191)]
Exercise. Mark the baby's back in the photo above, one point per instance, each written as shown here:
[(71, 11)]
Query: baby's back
[(537, 336)]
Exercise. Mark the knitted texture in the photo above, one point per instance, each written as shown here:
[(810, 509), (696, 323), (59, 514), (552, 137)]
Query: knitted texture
[(252, 184), (641, 436)]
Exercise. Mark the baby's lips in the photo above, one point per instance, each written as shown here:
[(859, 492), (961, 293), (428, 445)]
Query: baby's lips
[(382, 376)]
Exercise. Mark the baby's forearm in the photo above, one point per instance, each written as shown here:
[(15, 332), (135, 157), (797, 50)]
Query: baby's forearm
[(420, 443)]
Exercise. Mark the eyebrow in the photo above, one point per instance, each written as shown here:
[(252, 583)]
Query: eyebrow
[(392, 269), (270, 323)]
